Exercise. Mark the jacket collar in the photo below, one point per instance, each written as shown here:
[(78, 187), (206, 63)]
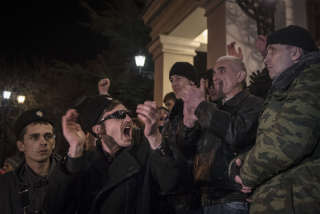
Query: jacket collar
[(123, 167), (27, 177), (284, 80), (237, 99)]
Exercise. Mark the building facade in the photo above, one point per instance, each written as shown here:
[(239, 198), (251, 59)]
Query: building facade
[(181, 29)]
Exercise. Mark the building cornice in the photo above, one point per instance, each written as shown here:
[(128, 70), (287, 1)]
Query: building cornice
[(163, 16), (173, 45)]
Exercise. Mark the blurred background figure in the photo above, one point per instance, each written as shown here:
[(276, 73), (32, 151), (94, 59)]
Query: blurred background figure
[(211, 93), (164, 115), (11, 163), (169, 100)]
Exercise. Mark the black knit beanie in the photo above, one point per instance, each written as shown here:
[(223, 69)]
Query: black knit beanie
[(186, 70), (295, 36)]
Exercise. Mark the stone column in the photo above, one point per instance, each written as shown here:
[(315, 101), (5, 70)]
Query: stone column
[(167, 50), (296, 12), (290, 12), (216, 25), (228, 23)]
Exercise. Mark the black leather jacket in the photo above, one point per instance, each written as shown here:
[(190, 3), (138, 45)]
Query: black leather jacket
[(24, 192), (183, 143), (228, 130)]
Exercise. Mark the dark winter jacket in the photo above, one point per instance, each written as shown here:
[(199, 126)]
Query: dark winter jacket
[(228, 130), (183, 142), (24, 192), (123, 184)]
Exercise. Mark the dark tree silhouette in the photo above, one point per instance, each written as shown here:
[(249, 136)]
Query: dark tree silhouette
[(54, 52)]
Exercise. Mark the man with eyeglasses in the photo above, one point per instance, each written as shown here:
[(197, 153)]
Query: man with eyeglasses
[(24, 189), (128, 165)]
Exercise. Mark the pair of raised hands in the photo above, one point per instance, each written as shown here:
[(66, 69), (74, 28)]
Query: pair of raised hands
[(72, 131), (192, 96)]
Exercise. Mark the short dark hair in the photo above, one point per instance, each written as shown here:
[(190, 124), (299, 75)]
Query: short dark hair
[(24, 130)]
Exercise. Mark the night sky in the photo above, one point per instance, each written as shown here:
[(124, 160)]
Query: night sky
[(47, 28)]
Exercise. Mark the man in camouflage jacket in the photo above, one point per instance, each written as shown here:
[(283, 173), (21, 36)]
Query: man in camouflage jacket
[(283, 168)]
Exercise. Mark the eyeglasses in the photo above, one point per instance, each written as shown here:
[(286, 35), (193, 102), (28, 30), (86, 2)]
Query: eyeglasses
[(119, 115)]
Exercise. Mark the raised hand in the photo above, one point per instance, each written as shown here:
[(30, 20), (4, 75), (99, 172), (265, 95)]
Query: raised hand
[(237, 179), (261, 45), (73, 133), (149, 114), (103, 86), (231, 49), (192, 96)]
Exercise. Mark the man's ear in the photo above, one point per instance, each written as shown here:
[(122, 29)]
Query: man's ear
[(241, 76), (20, 146), (54, 145), (295, 53)]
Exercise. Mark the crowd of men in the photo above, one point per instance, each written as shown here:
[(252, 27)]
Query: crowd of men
[(215, 149)]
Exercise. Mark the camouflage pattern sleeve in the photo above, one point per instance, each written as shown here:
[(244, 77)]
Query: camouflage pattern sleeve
[(288, 130)]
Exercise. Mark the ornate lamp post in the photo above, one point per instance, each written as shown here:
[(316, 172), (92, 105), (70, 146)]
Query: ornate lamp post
[(6, 95), (140, 60), (21, 99)]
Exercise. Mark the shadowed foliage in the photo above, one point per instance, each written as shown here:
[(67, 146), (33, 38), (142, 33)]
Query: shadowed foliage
[(55, 52)]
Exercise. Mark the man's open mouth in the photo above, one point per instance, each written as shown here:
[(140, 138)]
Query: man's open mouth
[(126, 129)]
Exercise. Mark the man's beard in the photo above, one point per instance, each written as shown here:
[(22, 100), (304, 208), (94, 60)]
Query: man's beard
[(109, 142)]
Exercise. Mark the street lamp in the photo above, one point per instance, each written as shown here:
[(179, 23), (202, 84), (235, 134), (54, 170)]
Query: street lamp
[(6, 94), (140, 60), (21, 99), (8, 108)]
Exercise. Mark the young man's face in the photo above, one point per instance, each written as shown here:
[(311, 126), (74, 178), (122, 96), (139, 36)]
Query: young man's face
[(119, 128), (178, 83), (169, 104), (163, 117), (38, 142), (278, 59), (225, 78)]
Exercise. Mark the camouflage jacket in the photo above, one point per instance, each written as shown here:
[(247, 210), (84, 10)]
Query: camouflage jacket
[(284, 165)]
